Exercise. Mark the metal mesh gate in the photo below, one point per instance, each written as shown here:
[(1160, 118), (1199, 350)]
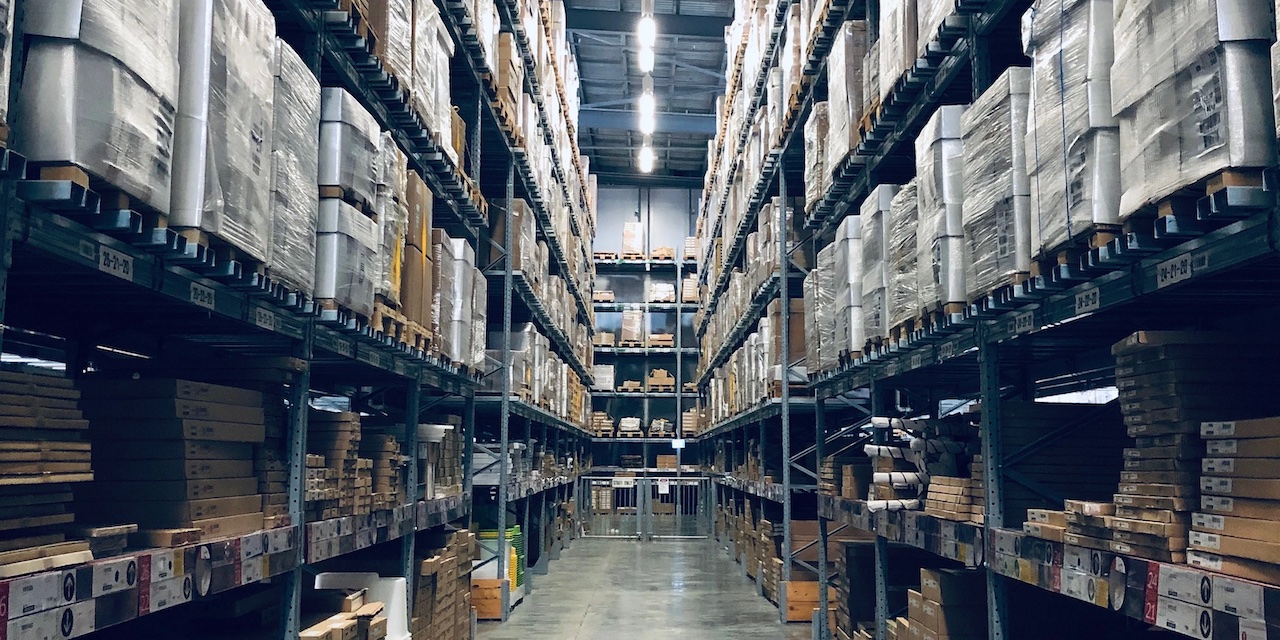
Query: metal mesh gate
[(646, 507)]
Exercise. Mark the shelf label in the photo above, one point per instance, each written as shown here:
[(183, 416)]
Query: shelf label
[(1023, 323), (266, 319), (946, 351), (622, 483), (677, 443), (916, 361), (1174, 270), (115, 263), (202, 296), (1088, 300)]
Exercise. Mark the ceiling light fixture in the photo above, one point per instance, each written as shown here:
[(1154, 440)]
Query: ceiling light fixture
[(645, 60), (648, 123), (646, 159), (647, 31)]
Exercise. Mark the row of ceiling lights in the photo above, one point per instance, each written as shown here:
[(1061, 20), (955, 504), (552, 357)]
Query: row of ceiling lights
[(647, 34)]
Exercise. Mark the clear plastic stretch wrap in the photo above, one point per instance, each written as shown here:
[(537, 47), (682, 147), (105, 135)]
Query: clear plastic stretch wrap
[(1074, 178), (222, 141), (346, 255), (811, 331), (461, 281), (870, 77), (6, 56), (632, 326), (633, 237), (846, 92), (101, 89), (897, 42), (392, 20), (1191, 89), (393, 217), (997, 198), (849, 331), (479, 315), (930, 14), (828, 347), (903, 299), (294, 157), (874, 215), (349, 143), (442, 299), (815, 141), (940, 198)]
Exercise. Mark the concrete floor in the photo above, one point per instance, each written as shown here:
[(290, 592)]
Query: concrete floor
[(624, 590)]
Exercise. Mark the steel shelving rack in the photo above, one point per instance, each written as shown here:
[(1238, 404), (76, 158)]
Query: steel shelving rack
[(1051, 336), (156, 294), (500, 165), (800, 449)]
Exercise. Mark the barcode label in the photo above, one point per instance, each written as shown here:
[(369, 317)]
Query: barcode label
[(202, 296)]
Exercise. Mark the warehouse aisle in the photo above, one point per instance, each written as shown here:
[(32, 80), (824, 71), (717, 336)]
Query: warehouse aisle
[(621, 590)]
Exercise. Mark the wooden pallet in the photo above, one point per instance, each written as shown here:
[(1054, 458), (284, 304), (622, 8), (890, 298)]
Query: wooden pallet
[(630, 386), (605, 256), (662, 388), (1093, 237), (349, 196), (631, 344), (603, 339), (630, 434), (666, 254), (603, 296), (869, 119), (662, 340), (639, 257), (691, 387), (330, 304)]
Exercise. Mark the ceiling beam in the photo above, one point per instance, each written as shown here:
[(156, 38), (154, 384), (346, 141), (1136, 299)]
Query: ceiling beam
[(625, 22), (625, 120), (635, 178)]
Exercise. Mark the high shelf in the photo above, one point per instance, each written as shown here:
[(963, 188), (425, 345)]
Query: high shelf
[(96, 285)]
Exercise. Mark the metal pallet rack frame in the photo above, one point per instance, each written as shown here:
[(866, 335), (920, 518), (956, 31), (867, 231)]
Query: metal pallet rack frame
[(801, 450), (1051, 337), (500, 165), (61, 236)]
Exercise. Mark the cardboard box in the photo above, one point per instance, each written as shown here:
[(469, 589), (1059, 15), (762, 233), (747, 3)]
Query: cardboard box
[(175, 489), (1241, 467), (176, 469), (1237, 547), (953, 620), (415, 285), (187, 511), (1184, 618), (1241, 507), (1243, 448), (1244, 528), (1257, 428), (953, 587), (167, 408), (1262, 489), (180, 428), (915, 605), (421, 204), (113, 390), (1238, 567)]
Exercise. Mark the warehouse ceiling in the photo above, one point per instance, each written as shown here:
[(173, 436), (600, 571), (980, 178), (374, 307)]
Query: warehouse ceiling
[(688, 75)]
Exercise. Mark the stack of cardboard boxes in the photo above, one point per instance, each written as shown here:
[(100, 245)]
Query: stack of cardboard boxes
[(46, 454), (336, 437), (1170, 382), (1234, 530), (949, 605), (443, 595), (181, 455)]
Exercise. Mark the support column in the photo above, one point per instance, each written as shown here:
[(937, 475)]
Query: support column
[(993, 467), (784, 334), (880, 436), (821, 630), (504, 438), (412, 399)]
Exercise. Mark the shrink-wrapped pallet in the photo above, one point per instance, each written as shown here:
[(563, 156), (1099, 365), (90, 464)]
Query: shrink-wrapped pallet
[(461, 281), (100, 91), (443, 300), (633, 237), (846, 97), (1072, 141), (930, 14), (632, 326), (479, 316), (346, 255), (349, 143), (1191, 89), (811, 331), (391, 23), (940, 198), (816, 135), (391, 205), (6, 60), (997, 196), (903, 299), (222, 138), (828, 348), (848, 331), (871, 77), (897, 42), (294, 158), (523, 236), (874, 216)]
